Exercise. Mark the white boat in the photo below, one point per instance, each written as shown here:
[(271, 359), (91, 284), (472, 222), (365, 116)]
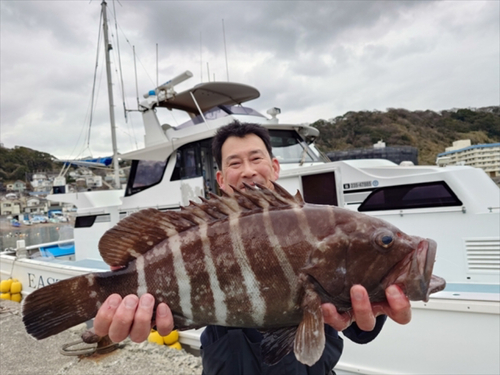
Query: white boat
[(458, 330), (458, 207), (176, 166)]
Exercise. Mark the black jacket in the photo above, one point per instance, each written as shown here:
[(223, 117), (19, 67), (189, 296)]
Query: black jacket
[(236, 351)]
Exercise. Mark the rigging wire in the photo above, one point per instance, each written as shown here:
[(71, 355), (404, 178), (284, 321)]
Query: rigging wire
[(120, 80), (96, 98), (147, 74), (88, 114), (130, 44), (95, 74), (120, 64), (130, 127)]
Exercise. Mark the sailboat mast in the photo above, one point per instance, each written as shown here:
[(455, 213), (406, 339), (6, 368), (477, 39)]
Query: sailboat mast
[(107, 48)]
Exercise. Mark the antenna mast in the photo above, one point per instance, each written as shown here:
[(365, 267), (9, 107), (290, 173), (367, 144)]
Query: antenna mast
[(201, 60), (225, 49), (107, 47)]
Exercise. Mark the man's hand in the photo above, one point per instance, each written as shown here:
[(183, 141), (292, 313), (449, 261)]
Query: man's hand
[(131, 316), (397, 308)]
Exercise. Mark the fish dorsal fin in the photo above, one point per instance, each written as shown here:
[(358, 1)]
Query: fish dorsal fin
[(139, 232), (298, 198), (263, 197)]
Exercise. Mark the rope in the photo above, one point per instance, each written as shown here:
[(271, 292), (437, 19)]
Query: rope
[(67, 350)]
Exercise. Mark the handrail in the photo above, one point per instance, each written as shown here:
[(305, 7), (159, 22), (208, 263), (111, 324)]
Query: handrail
[(199, 109)]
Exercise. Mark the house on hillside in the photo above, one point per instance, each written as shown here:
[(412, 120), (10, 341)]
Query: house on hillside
[(10, 206), (36, 206), (19, 186), (41, 183)]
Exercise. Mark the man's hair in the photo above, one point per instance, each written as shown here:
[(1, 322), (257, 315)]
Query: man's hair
[(241, 130)]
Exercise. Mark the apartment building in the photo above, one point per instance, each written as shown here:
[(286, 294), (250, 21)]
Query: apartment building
[(485, 156)]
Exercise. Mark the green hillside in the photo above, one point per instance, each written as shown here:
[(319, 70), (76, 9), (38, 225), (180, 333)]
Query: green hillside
[(431, 132), (17, 162)]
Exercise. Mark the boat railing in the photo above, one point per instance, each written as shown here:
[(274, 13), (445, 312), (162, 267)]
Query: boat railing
[(50, 244), (23, 251)]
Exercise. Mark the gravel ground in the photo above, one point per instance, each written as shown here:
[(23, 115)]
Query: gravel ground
[(20, 354)]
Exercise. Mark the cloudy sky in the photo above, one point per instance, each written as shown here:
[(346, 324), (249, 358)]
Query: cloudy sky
[(312, 59)]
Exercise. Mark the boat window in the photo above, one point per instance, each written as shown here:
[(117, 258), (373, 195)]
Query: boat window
[(89, 220), (288, 147), (59, 190), (432, 194), (196, 160), (144, 174), (188, 163), (240, 110), (85, 221), (219, 112), (320, 188)]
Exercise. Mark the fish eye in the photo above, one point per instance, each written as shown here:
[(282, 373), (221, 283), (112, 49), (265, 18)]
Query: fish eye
[(385, 240)]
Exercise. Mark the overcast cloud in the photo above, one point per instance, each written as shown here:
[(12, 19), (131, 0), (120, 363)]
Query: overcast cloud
[(312, 59)]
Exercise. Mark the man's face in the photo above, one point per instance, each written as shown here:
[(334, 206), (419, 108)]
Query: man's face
[(246, 160)]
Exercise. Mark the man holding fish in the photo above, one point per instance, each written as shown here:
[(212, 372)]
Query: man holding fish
[(244, 155)]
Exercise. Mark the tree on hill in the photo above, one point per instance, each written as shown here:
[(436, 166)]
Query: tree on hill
[(17, 162), (431, 132)]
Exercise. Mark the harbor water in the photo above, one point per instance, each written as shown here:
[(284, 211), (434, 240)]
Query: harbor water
[(33, 234)]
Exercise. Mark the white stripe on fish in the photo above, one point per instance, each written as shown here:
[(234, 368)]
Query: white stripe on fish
[(304, 226), (142, 286), (219, 297), (183, 280), (258, 307), (280, 254)]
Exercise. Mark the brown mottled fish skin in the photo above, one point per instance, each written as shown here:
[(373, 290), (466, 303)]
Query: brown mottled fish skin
[(260, 258)]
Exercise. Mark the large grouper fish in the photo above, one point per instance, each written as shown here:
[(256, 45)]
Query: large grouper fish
[(259, 258)]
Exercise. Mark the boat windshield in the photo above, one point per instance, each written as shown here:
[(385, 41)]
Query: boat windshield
[(288, 147), (219, 112), (144, 174)]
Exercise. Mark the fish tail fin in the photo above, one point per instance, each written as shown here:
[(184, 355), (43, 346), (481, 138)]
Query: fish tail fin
[(59, 306)]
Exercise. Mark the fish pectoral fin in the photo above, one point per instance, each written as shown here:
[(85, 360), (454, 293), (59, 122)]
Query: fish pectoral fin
[(309, 340), (277, 343)]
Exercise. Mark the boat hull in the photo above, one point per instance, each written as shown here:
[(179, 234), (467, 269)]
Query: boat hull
[(37, 273), (463, 338)]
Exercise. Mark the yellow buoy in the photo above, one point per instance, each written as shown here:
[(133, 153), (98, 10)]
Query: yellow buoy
[(16, 297), (5, 285), (156, 338), (16, 287), (176, 345), (5, 296), (171, 338)]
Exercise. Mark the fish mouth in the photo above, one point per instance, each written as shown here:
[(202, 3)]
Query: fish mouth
[(415, 274), (249, 184)]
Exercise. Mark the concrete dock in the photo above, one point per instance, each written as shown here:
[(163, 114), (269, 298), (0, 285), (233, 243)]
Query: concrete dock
[(20, 354)]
